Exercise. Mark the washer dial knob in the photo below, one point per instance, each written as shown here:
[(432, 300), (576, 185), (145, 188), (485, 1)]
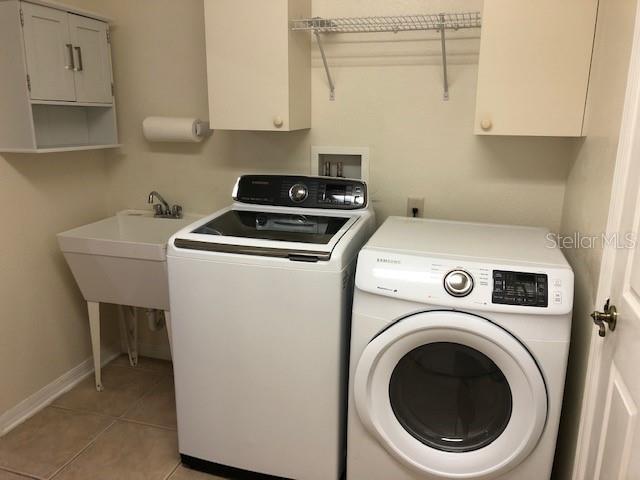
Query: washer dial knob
[(458, 283), (298, 193)]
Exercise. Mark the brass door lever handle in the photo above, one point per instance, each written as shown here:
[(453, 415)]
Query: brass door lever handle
[(608, 317)]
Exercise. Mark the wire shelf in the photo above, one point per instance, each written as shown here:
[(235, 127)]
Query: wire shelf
[(398, 23), (402, 23)]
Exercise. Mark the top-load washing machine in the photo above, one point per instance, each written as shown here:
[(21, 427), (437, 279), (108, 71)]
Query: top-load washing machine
[(260, 303), (460, 335)]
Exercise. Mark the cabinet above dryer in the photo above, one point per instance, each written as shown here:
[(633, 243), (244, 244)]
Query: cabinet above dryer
[(57, 90), (533, 73)]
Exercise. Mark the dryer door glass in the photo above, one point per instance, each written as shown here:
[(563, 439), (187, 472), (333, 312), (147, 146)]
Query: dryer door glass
[(450, 397)]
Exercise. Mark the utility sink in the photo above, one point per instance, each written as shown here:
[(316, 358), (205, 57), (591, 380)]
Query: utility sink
[(122, 259)]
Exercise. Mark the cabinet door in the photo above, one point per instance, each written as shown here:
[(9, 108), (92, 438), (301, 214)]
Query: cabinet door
[(92, 59), (534, 66), (247, 64), (48, 52)]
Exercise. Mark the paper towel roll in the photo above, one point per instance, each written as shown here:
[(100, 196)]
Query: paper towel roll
[(172, 129)]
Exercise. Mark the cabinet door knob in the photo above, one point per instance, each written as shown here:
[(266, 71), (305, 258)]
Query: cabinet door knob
[(278, 122), (485, 124)]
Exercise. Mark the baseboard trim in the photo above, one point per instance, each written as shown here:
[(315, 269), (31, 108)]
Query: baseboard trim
[(46, 395)]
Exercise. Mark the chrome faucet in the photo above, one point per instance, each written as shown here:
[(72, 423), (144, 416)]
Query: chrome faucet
[(162, 209)]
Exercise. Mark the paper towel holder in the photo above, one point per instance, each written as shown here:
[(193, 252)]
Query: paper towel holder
[(175, 129), (203, 129)]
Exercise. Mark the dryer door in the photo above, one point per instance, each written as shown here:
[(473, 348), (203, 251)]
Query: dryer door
[(451, 394)]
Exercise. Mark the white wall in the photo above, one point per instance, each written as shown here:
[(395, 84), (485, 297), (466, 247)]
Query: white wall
[(43, 320), (420, 145), (586, 201), (389, 98)]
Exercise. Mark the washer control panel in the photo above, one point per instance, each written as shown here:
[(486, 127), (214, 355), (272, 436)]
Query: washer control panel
[(520, 288), (300, 191)]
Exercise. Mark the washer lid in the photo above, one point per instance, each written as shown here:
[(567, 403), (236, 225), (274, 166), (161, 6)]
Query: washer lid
[(451, 394), (304, 235), (278, 226)]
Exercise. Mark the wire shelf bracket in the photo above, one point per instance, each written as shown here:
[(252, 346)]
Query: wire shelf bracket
[(445, 75), (332, 86), (404, 23)]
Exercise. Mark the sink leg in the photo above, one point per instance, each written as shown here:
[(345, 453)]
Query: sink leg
[(122, 317), (94, 327), (167, 322), (134, 337), (129, 322)]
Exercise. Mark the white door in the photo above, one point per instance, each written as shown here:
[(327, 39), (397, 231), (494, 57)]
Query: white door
[(609, 441), (475, 366), (49, 53), (92, 59)]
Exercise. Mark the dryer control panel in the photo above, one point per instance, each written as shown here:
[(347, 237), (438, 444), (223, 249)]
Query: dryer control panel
[(520, 288), (301, 191), (466, 284)]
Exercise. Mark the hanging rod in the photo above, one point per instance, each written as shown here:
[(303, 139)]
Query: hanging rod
[(399, 23)]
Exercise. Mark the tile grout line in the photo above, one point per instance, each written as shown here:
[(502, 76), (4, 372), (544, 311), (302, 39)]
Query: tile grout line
[(111, 417), (144, 395), (82, 450), (73, 456), (112, 421), (159, 372), (82, 412), (173, 470), (145, 424), (160, 378), (94, 440), (138, 367), (20, 473)]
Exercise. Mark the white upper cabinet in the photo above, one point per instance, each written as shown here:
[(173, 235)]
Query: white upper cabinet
[(68, 56), (533, 72), (49, 53), (57, 92), (92, 59), (259, 72)]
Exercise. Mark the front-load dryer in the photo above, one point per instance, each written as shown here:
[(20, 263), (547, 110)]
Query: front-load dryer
[(459, 344)]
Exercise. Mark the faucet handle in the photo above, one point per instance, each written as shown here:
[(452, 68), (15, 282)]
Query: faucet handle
[(176, 211), (158, 210)]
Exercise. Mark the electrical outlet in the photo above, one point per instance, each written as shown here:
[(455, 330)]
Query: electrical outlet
[(415, 203)]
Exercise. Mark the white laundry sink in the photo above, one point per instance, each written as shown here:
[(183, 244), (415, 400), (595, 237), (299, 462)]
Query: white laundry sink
[(122, 259)]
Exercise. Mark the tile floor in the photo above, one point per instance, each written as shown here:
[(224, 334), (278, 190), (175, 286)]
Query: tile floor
[(126, 432)]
